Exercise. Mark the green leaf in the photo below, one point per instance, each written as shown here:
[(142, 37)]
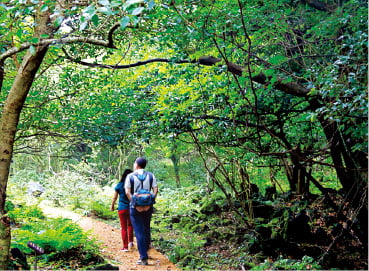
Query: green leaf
[(89, 12), (32, 50), (151, 5), (44, 8), (135, 21), (131, 2), (95, 19), (269, 72), (58, 21), (124, 22), (19, 33), (83, 25), (106, 10), (278, 59), (287, 80), (137, 11), (104, 2), (115, 3)]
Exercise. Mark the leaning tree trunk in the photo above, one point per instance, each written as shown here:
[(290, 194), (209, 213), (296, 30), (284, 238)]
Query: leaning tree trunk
[(8, 126)]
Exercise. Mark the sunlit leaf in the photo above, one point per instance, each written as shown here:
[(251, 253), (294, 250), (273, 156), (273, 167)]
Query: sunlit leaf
[(32, 50), (137, 11), (44, 8), (124, 22), (104, 2)]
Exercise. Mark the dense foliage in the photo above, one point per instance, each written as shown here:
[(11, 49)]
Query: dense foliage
[(199, 230), (225, 94)]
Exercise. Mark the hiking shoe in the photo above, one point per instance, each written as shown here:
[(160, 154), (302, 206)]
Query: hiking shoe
[(125, 249), (142, 262)]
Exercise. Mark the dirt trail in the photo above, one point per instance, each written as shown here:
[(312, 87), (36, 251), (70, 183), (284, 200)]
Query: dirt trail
[(111, 243)]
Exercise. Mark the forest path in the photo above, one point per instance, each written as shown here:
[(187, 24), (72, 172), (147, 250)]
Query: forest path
[(111, 242)]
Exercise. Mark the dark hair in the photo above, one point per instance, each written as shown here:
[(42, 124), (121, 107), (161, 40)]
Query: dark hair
[(141, 162), (125, 173)]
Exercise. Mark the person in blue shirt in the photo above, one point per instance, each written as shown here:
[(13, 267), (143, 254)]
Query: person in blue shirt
[(141, 215), (123, 212)]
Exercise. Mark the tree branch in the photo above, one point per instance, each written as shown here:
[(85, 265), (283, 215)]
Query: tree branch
[(203, 60), (110, 35), (289, 87), (47, 42), (136, 64)]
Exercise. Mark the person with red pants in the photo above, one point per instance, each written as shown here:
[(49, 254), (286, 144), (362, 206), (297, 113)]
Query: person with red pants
[(123, 212)]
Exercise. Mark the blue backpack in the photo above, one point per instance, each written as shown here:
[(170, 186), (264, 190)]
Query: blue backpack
[(142, 197)]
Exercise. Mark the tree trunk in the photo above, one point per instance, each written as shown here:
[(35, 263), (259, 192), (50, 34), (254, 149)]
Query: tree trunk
[(351, 169), (349, 166), (296, 172), (8, 127), (176, 160)]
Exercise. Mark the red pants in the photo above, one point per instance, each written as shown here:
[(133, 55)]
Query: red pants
[(126, 227)]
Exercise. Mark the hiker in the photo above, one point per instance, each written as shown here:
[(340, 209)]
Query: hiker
[(138, 189), (123, 212)]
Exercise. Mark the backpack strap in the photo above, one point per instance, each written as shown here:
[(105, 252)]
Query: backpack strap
[(151, 178), (132, 184)]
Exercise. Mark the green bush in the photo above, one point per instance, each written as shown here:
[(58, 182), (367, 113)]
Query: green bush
[(25, 213), (172, 225), (53, 235), (102, 210), (9, 206), (306, 263), (62, 240)]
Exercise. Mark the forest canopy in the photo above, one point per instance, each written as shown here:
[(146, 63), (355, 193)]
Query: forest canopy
[(233, 85)]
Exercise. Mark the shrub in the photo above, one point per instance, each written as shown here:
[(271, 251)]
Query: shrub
[(306, 263), (63, 241), (53, 235), (22, 214), (102, 210)]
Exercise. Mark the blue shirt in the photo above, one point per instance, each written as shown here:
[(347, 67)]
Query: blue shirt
[(123, 202)]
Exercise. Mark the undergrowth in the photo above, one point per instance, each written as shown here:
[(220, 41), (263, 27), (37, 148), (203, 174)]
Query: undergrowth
[(200, 231), (194, 228), (65, 244)]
